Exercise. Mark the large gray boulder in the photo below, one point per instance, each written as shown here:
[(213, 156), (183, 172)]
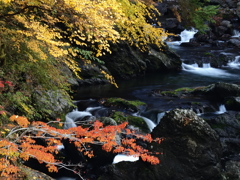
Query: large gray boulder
[(191, 151)]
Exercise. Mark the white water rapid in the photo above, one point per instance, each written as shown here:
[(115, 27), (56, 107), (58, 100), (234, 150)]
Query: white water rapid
[(206, 70), (236, 33), (73, 116), (222, 109), (235, 64), (151, 125), (185, 36), (121, 157)]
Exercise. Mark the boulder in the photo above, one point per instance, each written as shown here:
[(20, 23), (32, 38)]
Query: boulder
[(191, 151), (219, 91), (233, 103), (127, 61)]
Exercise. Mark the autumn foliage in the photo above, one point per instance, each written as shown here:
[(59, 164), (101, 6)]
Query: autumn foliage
[(20, 143), (39, 40), (42, 44)]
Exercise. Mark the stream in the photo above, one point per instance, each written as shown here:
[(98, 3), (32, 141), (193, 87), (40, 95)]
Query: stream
[(191, 75), (141, 88)]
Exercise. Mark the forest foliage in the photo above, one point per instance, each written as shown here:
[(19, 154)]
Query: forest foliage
[(39, 40), (197, 14)]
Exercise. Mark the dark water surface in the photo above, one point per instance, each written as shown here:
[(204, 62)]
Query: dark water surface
[(191, 76)]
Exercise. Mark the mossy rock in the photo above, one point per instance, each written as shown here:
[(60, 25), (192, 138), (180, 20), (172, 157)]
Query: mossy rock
[(138, 122), (119, 117), (177, 92), (135, 121), (132, 106), (233, 103)]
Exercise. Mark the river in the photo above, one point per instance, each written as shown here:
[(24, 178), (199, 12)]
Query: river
[(141, 88), (190, 76)]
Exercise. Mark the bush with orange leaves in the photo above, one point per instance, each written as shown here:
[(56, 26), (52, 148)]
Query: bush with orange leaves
[(20, 143)]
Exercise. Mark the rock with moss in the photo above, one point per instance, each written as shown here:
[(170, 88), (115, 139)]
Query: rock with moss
[(232, 103), (107, 121), (138, 122), (130, 62), (177, 92), (191, 151), (135, 121), (219, 91), (131, 106), (53, 104)]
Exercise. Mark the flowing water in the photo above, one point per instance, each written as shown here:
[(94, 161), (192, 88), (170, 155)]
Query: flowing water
[(192, 75)]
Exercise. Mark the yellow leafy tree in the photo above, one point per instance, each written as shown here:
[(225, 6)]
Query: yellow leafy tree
[(38, 39)]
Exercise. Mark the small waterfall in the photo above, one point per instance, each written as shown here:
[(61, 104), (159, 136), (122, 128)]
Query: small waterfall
[(236, 33), (198, 112), (206, 70), (73, 116), (186, 35), (222, 109), (160, 116), (235, 64), (151, 125), (206, 65), (122, 157)]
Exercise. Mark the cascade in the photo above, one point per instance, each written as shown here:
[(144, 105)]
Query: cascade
[(186, 35), (198, 112), (222, 109), (160, 116), (121, 157), (71, 118), (206, 65), (206, 70), (151, 125), (235, 64), (236, 33)]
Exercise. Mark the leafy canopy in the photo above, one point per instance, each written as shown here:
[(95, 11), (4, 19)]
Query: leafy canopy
[(196, 13), (40, 39)]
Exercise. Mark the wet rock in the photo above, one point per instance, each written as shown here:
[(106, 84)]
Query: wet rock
[(190, 142), (235, 42), (191, 151), (227, 126), (33, 174), (56, 102), (219, 91), (238, 10), (128, 61), (233, 103), (232, 169), (171, 23)]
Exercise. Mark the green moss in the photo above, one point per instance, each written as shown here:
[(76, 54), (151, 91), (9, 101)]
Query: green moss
[(123, 103), (184, 89), (219, 126), (208, 54), (178, 91), (138, 122), (196, 103), (119, 117)]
